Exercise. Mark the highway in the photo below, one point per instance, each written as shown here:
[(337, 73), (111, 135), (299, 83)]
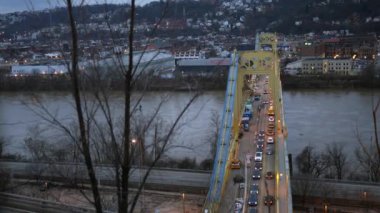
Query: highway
[(21, 204), (194, 180), (327, 188), (350, 190)]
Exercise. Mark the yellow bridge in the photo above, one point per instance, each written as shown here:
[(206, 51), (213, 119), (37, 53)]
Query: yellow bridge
[(264, 62)]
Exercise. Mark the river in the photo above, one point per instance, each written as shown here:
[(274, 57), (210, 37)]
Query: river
[(312, 117)]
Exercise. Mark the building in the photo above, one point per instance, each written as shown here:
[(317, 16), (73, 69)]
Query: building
[(203, 67), (293, 68), (27, 70), (322, 66), (156, 61), (360, 47), (191, 54), (313, 66), (311, 49)]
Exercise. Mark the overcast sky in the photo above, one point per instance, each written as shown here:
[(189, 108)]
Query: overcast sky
[(8, 6)]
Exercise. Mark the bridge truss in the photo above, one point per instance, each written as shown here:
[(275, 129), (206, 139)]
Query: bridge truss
[(257, 62)]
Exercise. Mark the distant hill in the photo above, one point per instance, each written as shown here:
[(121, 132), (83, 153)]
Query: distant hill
[(358, 16), (284, 16)]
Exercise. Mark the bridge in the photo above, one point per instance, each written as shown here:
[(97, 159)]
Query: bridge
[(234, 152)]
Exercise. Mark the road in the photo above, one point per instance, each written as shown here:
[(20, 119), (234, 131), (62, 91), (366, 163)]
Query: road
[(18, 203), (165, 177), (267, 187), (248, 146), (350, 190)]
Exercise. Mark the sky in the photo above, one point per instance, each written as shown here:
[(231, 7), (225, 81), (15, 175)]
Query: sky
[(8, 6)]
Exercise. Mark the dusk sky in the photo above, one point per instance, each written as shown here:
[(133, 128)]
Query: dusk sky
[(8, 6)]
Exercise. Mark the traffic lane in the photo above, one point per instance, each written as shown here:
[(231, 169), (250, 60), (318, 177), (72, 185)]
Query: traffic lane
[(251, 147), (270, 183), (250, 172), (261, 182), (231, 190)]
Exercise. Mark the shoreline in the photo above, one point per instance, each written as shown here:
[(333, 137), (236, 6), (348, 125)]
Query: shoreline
[(63, 83)]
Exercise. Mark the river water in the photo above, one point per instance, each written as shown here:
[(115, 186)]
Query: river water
[(312, 117)]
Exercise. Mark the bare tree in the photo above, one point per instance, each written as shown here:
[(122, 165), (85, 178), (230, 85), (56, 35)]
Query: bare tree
[(4, 175), (213, 138), (310, 162), (368, 154), (111, 140), (369, 162), (2, 146), (304, 187), (336, 159)]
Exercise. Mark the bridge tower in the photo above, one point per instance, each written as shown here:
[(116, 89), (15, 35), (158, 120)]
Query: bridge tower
[(262, 61)]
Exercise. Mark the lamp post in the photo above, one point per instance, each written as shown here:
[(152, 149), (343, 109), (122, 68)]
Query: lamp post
[(183, 202), (134, 141)]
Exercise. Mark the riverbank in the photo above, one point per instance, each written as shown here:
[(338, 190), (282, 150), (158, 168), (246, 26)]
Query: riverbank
[(328, 82), (63, 83)]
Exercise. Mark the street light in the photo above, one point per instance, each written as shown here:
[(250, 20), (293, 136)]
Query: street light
[(183, 202), (134, 141)]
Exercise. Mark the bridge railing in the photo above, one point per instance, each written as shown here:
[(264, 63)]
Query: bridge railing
[(223, 144)]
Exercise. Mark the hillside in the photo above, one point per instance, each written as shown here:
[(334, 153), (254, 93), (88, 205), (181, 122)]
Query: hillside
[(284, 16)]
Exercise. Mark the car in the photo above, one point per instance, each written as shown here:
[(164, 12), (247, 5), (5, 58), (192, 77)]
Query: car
[(261, 133), (269, 175), (259, 156), (241, 185), (271, 118), (271, 126), (270, 132), (270, 140), (253, 200), (254, 189), (256, 174), (265, 102), (238, 179), (260, 144), (265, 92), (238, 205), (268, 200), (258, 166), (269, 151), (261, 139), (259, 148)]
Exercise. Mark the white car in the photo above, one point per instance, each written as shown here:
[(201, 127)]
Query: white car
[(259, 156), (270, 139), (271, 118)]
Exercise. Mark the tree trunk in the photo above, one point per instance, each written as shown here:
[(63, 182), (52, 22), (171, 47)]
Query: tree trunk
[(126, 167), (76, 93)]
